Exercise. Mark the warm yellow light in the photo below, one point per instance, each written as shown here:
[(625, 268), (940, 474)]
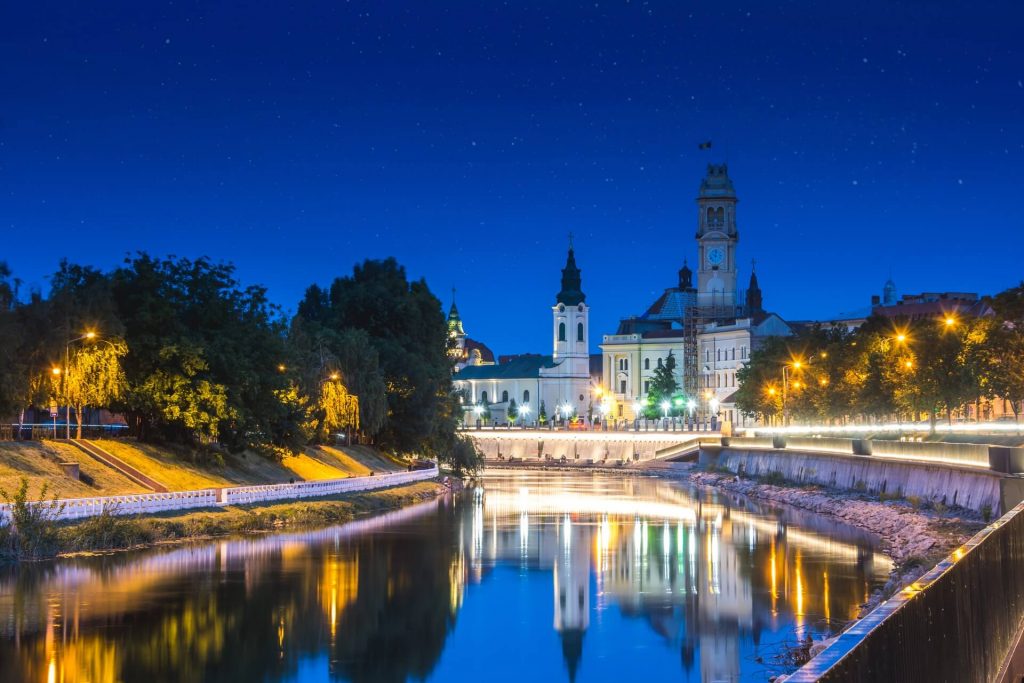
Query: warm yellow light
[(824, 354), (901, 338), (90, 335), (771, 391), (281, 367), (909, 364), (598, 391), (823, 381), (797, 364), (950, 321), (796, 385), (55, 371), (334, 376)]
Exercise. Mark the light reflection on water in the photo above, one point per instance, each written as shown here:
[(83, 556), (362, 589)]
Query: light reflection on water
[(585, 577)]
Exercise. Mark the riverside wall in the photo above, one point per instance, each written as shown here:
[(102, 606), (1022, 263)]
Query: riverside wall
[(972, 487)]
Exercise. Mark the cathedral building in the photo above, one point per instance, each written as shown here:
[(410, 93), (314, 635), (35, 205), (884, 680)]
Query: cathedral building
[(555, 382), (709, 330)]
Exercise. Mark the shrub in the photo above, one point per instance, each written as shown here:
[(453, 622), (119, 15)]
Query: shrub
[(860, 486), (33, 525), (774, 478), (107, 531), (986, 513), (915, 502), (889, 495)]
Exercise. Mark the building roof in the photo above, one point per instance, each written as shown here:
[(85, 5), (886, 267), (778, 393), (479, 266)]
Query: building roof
[(671, 305), (486, 355), (522, 367), (717, 182)]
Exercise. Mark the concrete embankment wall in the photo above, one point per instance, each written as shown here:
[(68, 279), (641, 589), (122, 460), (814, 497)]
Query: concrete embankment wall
[(572, 448), (972, 488), (959, 622)]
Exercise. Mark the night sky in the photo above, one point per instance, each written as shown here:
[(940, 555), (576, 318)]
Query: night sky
[(469, 138)]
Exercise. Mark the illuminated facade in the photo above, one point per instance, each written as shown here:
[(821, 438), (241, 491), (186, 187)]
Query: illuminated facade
[(560, 381), (709, 329)]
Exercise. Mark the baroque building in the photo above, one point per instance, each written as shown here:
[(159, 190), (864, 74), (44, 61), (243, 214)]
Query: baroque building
[(709, 330), (553, 382)]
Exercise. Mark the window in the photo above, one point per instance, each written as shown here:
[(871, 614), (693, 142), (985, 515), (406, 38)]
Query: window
[(647, 363), (734, 353), (718, 354), (659, 362), (504, 397), (561, 331), (579, 332), (483, 397), (526, 396), (647, 387), (622, 386), (707, 357)]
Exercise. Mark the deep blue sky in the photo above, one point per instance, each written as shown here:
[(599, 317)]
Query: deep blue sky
[(468, 138)]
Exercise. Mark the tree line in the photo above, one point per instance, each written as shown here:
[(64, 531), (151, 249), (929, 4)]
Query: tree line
[(891, 369), (190, 355)]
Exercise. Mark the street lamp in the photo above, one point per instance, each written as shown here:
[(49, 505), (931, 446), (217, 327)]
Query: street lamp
[(67, 361), (796, 365), (524, 411)]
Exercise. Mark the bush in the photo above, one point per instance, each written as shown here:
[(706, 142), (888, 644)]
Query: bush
[(32, 530), (890, 495), (107, 531), (915, 502), (774, 478), (986, 513)]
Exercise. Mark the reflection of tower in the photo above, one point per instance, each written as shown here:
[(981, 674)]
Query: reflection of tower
[(572, 591), (725, 607)]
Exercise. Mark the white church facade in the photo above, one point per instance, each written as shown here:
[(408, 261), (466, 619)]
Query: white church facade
[(559, 383)]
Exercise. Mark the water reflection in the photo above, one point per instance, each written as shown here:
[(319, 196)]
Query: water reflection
[(575, 576)]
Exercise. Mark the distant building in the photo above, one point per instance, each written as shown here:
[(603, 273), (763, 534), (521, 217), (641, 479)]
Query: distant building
[(463, 350), (561, 379), (710, 329)]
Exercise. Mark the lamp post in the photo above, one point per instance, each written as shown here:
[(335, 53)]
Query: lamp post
[(713, 405), (64, 380), (796, 365), (637, 407), (524, 411)]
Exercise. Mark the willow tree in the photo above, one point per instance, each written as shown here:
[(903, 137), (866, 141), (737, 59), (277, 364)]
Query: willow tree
[(94, 377), (339, 409)]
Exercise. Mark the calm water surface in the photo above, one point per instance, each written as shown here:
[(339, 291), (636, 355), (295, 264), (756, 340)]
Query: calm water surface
[(542, 577)]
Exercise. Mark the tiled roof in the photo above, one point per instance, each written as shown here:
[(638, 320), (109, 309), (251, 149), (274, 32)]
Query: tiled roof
[(523, 367)]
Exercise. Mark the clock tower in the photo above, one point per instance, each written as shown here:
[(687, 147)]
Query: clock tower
[(716, 242)]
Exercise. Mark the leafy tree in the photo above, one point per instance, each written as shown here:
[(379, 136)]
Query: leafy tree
[(485, 410), (339, 409), (512, 412), (94, 376), (663, 387), (1002, 351), (542, 414)]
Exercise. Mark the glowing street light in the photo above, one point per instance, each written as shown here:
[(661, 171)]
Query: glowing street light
[(55, 371), (691, 405), (908, 364), (950, 321), (666, 406)]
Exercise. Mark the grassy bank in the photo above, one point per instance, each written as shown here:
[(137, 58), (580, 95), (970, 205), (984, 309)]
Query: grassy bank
[(109, 532), (177, 468)]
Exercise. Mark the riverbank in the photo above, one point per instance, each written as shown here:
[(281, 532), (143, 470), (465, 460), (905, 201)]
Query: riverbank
[(914, 538), (110, 533)]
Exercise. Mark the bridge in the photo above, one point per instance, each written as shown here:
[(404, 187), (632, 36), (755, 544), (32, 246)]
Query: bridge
[(588, 448)]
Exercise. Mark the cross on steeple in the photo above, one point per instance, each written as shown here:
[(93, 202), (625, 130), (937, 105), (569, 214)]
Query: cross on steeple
[(753, 264), (570, 239)]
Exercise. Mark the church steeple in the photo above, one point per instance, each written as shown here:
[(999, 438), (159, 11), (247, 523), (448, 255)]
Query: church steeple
[(454, 321), (572, 292), (754, 303)]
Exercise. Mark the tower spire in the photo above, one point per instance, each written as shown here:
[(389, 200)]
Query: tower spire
[(572, 286)]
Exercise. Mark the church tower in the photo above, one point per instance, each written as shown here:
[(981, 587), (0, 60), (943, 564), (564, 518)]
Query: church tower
[(755, 304), (570, 367), (571, 326), (716, 241), (456, 334)]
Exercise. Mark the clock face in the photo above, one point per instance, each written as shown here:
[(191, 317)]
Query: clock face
[(716, 256)]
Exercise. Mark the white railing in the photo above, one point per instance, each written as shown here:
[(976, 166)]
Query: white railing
[(148, 503), (241, 495)]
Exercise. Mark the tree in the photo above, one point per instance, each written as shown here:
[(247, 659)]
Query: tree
[(339, 409), (94, 377), (663, 387), (542, 414), (512, 412), (1002, 352)]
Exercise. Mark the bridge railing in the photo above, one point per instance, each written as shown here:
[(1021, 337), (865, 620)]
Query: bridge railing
[(149, 503)]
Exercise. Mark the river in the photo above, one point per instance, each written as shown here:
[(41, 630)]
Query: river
[(537, 577)]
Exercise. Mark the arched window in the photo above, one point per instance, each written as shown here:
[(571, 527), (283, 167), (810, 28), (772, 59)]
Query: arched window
[(711, 216), (561, 331), (659, 362), (483, 397), (720, 216), (579, 332), (504, 397), (526, 396), (647, 363)]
